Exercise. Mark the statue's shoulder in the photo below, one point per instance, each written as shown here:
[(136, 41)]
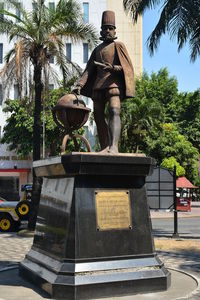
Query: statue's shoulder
[(101, 45), (119, 44)]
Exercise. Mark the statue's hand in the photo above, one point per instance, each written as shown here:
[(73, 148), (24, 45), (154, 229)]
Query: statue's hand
[(111, 68), (117, 68), (77, 90), (108, 67)]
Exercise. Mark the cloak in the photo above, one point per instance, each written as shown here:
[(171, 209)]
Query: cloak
[(88, 77)]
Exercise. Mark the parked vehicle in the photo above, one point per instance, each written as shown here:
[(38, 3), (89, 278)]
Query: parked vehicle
[(13, 212), (9, 219)]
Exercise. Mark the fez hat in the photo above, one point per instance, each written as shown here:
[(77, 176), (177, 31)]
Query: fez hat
[(108, 18)]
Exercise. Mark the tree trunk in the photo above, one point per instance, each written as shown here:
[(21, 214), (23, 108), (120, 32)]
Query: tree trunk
[(36, 144)]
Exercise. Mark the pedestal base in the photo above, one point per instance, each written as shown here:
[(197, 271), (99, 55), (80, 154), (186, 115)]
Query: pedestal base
[(93, 235)]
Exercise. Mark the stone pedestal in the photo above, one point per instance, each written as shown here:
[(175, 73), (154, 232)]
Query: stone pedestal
[(93, 234)]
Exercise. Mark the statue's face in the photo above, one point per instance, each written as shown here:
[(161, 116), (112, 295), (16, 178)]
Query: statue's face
[(108, 33)]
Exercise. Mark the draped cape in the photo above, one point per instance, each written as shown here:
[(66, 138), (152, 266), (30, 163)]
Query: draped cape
[(89, 75)]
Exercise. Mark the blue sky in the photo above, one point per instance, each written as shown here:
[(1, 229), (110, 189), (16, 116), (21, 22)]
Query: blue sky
[(178, 64)]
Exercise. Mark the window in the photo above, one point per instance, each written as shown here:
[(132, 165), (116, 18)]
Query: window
[(1, 7), (9, 187), (16, 91), (51, 87), (86, 12), (51, 59), (34, 5), (1, 53), (1, 94), (85, 53), (69, 51), (52, 6)]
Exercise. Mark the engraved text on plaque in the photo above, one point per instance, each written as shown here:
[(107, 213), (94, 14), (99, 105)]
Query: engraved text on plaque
[(113, 210)]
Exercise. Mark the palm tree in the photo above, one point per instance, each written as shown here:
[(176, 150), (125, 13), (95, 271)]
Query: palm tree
[(138, 116), (180, 18), (38, 36)]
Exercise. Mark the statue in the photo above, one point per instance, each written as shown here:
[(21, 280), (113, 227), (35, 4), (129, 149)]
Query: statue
[(108, 76), (109, 193)]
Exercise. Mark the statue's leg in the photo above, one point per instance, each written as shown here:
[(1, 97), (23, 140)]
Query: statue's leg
[(114, 120), (99, 101)]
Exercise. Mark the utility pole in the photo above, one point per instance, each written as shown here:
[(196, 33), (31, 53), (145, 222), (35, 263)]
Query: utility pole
[(175, 234), (43, 130)]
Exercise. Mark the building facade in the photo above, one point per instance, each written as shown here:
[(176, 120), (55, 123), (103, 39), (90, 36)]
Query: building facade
[(92, 10)]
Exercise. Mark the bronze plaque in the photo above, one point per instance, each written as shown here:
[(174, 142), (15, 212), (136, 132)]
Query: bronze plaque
[(113, 210)]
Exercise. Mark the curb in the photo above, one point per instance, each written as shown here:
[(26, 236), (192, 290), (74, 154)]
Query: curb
[(193, 293), (172, 217), (9, 268)]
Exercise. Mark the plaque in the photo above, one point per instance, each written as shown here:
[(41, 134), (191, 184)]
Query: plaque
[(113, 210)]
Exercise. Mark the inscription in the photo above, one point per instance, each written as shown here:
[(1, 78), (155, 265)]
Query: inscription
[(113, 210)]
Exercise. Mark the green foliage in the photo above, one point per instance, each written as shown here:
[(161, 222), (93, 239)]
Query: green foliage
[(138, 115), (159, 86), (170, 163), (185, 111), (148, 109), (169, 142), (163, 123), (18, 131)]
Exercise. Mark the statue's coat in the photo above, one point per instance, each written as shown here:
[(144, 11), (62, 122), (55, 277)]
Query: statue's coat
[(89, 75)]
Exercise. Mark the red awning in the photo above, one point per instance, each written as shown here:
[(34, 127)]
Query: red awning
[(183, 182), (25, 170)]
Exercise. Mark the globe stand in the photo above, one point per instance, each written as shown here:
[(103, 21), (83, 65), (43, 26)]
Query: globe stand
[(74, 138), (71, 113)]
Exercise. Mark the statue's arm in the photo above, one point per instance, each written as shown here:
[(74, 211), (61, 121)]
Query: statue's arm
[(109, 67), (89, 69)]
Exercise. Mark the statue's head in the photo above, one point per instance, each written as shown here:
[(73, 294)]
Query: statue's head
[(108, 26)]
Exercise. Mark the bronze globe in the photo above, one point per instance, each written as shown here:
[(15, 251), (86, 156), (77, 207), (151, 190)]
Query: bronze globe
[(70, 113)]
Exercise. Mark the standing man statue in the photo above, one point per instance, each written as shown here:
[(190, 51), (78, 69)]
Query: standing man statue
[(108, 76)]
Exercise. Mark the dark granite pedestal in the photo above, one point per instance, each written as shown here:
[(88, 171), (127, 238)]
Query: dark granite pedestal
[(93, 235)]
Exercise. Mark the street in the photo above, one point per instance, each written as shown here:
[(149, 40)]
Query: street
[(187, 227)]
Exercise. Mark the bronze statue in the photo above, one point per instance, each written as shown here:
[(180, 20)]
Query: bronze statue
[(108, 76)]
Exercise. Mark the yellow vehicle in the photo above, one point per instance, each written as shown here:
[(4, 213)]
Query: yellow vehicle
[(13, 212), (9, 219)]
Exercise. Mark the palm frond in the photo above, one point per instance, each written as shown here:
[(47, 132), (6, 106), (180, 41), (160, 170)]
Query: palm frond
[(180, 18), (137, 7), (79, 32), (13, 29), (5, 26), (8, 56), (194, 43), (38, 35), (53, 74), (13, 4)]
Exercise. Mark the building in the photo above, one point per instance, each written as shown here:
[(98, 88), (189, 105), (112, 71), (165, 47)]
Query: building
[(128, 33)]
